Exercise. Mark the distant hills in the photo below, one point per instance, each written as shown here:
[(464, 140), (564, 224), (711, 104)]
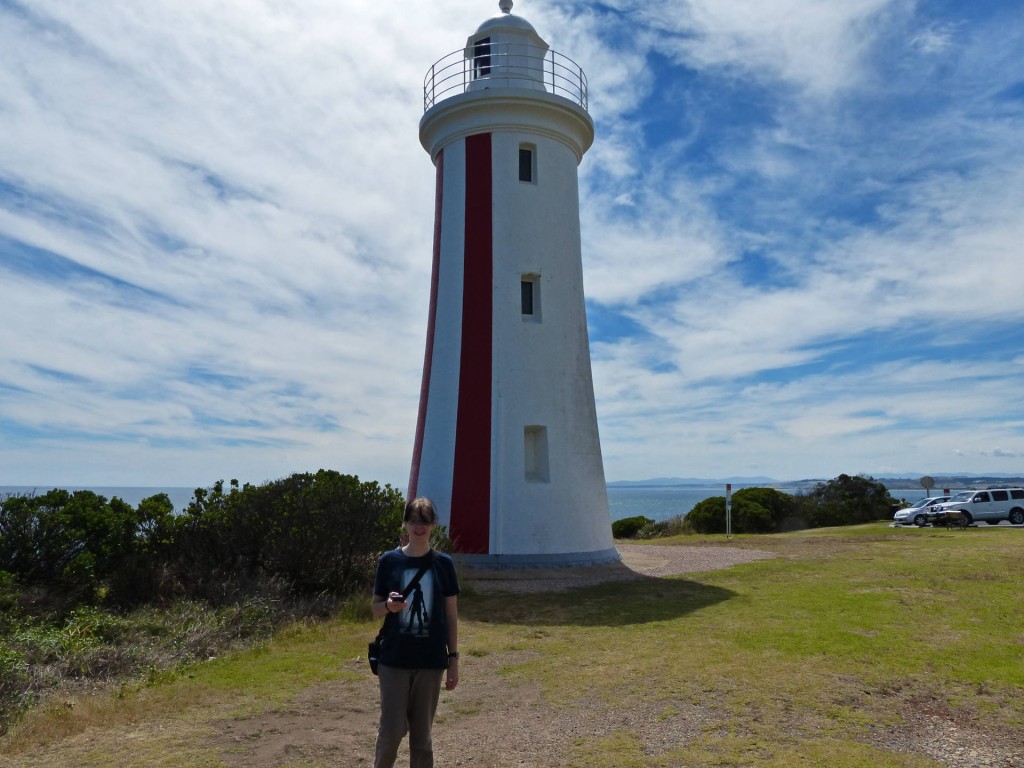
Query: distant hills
[(695, 481), (942, 480)]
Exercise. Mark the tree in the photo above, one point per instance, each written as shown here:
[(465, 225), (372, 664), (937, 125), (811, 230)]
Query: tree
[(763, 510), (844, 500), (72, 542), (316, 531), (707, 515), (847, 500), (307, 533), (754, 510), (629, 527)]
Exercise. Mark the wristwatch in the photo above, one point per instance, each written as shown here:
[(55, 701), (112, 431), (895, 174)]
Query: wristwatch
[(453, 655)]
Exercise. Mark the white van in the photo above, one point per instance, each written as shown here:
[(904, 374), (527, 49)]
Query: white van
[(990, 506)]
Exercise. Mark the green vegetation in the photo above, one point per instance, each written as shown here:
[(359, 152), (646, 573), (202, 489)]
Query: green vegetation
[(629, 527), (823, 656), (808, 659), (94, 590), (844, 500)]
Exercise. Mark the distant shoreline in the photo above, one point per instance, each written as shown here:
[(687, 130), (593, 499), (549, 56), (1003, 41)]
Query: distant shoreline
[(902, 483)]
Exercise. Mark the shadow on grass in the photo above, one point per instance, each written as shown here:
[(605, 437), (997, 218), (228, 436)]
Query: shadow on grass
[(641, 600)]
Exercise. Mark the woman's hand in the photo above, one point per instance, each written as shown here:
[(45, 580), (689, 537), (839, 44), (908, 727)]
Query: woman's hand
[(451, 678), (395, 602)]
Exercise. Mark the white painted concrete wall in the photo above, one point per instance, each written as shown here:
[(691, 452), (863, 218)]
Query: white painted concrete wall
[(541, 373)]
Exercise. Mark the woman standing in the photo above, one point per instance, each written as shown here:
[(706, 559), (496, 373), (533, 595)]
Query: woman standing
[(420, 640)]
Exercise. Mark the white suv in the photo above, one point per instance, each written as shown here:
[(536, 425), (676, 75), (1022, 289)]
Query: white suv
[(991, 505)]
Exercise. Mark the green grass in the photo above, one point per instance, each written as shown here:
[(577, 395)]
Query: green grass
[(842, 634), (794, 661)]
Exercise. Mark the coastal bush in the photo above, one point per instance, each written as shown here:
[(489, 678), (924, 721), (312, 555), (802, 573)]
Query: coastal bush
[(657, 529), (707, 515), (629, 527), (14, 681), (69, 543), (310, 532), (748, 515), (314, 531), (8, 597), (94, 645), (844, 500), (92, 589)]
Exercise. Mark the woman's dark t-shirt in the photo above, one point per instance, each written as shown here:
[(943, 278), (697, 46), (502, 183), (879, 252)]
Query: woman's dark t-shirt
[(417, 637)]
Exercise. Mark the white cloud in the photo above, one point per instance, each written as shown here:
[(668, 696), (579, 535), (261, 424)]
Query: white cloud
[(237, 198), (934, 39), (257, 166), (813, 45)]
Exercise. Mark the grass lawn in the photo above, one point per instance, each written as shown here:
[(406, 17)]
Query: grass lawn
[(831, 655)]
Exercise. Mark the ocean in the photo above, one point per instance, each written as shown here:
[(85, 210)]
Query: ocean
[(657, 502)]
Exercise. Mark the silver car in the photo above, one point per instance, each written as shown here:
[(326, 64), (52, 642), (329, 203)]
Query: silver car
[(917, 513)]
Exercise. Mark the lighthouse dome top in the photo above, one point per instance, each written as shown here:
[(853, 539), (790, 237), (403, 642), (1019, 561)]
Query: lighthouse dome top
[(506, 20), (507, 27), (504, 54)]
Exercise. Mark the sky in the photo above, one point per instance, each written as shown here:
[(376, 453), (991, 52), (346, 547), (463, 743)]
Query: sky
[(802, 223)]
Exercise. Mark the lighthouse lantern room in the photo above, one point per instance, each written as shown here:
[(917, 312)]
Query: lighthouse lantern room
[(507, 441)]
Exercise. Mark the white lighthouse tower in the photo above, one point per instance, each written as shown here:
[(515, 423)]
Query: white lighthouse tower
[(506, 440)]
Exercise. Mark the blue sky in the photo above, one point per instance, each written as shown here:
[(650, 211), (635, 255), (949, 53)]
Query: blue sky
[(803, 228)]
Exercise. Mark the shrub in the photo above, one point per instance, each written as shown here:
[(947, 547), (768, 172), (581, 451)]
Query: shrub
[(844, 500), (312, 532), (847, 500), (71, 543), (708, 515), (754, 510), (629, 527), (75, 569), (316, 531), (673, 526), (14, 682)]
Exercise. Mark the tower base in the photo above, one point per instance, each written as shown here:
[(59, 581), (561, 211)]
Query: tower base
[(553, 560)]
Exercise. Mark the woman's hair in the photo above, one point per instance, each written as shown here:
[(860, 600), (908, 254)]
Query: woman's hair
[(422, 505)]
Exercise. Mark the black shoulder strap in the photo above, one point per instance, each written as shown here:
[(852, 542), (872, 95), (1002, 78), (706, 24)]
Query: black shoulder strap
[(419, 574)]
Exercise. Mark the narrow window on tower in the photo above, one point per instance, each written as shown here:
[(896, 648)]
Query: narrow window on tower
[(529, 285), (535, 445), (527, 163), (481, 58)]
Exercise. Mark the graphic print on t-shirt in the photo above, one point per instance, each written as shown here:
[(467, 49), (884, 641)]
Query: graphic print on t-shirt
[(415, 617)]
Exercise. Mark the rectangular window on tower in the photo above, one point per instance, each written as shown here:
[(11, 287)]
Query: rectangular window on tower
[(535, 445), (529, 286), (527, 163), (481, 58)]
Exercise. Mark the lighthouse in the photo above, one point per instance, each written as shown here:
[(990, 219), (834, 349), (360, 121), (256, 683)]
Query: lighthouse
[(507, 441)]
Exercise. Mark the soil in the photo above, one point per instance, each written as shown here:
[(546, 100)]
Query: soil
[(488, 723)]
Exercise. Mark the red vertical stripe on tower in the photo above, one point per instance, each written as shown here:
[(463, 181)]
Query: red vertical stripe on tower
[(471, 484), (428, 355)]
